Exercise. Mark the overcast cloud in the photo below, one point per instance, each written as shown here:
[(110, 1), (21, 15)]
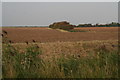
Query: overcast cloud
[(43, 14)]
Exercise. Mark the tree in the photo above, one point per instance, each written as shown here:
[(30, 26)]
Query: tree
[(62, 25)]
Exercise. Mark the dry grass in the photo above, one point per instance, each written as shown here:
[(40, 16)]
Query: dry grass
[(56, 54), (99, 29), (61, 30), (81, 48), (82, 59)]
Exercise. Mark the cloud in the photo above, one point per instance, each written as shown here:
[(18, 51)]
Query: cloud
[(60, 0)]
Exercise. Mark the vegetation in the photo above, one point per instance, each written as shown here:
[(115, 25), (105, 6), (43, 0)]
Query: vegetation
[(66, 26), (77, 30), (113, 24), (20, 65), (22, 35), (62, 25), (84, 59), (97, 63)]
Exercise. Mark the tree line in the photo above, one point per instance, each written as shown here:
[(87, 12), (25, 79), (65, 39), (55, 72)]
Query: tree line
[(67, 26), (113, 24)]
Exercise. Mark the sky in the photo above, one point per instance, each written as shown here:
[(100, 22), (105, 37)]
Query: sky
[(45, 13), (60, 0), (0, 15), (119, 12)]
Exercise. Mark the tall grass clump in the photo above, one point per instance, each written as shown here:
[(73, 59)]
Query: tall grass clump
[(20, 65), (104, 65)]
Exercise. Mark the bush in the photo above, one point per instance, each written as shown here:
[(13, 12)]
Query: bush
[(62, 25)]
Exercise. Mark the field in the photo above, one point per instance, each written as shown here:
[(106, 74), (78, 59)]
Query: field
[(48, 53), (49, 35)]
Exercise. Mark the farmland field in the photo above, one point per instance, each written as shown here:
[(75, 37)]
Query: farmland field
[(18, 35), (91, 53)]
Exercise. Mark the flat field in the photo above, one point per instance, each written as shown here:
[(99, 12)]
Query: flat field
[(18, 35)]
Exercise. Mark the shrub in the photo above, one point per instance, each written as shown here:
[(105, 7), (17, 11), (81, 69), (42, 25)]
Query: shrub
[(62, 25)]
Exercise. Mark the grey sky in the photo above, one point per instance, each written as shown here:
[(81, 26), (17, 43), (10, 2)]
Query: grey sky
[(59, 0), (40, 13), (119, 12)]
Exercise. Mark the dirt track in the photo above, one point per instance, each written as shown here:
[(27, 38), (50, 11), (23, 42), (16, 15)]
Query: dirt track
[(49, 35)]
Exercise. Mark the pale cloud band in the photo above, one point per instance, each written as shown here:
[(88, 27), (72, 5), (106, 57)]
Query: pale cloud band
[(60, 0)]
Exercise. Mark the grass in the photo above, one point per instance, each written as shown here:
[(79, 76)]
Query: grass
[(62, 30), (20, 65), (75, 30), (33, 62)]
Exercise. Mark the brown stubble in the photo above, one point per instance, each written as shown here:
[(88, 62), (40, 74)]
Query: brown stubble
[(21, 35)]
